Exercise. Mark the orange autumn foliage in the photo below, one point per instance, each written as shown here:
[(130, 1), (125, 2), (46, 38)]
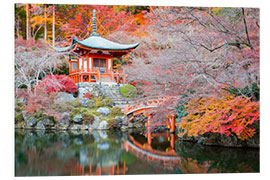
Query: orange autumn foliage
[(227, 115)]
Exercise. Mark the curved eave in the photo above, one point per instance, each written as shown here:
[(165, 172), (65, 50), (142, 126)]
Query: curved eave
[(64, 49), (98, 43)]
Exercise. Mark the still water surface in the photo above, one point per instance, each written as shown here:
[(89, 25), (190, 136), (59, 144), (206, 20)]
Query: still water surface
[(43, 153)]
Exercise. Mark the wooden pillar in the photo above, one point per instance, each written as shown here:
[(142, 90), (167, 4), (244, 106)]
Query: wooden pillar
[(69, 65), (172, 129), (172, 141), (107, 65), (92, 64), (149, 138)]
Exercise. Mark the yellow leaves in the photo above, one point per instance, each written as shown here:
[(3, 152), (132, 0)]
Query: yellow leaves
[(37, 20)]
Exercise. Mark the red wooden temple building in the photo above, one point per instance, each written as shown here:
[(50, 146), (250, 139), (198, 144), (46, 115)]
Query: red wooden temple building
[(93, 61)]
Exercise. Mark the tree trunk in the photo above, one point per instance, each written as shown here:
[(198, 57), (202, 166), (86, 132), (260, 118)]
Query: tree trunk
[(53, 27), (27, 22), (45, 22)]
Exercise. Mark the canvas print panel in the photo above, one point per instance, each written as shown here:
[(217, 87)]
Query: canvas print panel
[(127, 90)]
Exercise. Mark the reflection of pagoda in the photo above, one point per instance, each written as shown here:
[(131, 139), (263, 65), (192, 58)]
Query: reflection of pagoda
[(94, 58), (119, 169), (144, 148)]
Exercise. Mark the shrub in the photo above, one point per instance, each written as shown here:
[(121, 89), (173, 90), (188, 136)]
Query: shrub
[(98, 102), (116, 111), (76, 103), (229, 115), (88, 117), (128, 91), (44, 102), (77, 110), (103, 102), (107, 102), (58, 83), (19, 117), (111, 123)]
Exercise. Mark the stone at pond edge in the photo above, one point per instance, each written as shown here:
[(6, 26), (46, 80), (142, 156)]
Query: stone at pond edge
[(103, 111), (84, 102), (118, 120), (64, 121), (40, 125), (47, 122), (95, 123), (75, 127), (31, 122), (102, 125), (215, 139), (25, 116), (77, 119), (125, 120)]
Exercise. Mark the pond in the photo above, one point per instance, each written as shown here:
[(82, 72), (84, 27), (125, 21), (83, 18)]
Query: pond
[(65, 153)]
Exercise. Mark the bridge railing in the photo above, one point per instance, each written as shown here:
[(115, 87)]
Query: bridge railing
[(144, 102)]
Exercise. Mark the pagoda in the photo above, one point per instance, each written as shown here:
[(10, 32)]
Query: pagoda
[(93, 60)]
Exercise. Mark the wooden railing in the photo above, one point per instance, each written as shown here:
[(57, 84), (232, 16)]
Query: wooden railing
[(119, 76)]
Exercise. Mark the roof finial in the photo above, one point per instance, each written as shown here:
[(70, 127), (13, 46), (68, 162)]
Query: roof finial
[(94, 24)]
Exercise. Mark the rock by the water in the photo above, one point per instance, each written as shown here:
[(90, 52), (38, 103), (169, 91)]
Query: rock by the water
[(40, 125), (31, 122), (47, 122), (77, 119), (84, 126), (103, 111), (64, 121), (95, 123), (102, 125), (25, 116), (84, 102), (125, 120), (65, 117), (118, 120)]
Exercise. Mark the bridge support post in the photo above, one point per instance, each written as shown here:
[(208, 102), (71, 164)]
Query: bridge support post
[(149, 138), (172, 141), (172, 126)]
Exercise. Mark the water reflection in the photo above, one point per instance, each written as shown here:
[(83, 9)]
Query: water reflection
[(42, 153)]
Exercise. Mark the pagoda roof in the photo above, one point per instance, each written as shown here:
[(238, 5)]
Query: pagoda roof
[(96, 42)]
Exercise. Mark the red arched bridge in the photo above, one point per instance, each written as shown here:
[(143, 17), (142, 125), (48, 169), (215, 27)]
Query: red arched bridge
[(146, 106)]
